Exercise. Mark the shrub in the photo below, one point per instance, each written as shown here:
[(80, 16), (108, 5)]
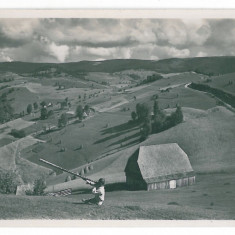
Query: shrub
[(142, 112), (43, 103), (157, 125), (161, 122), (87, 108), (6, 111), (133, 115), (50, 113), (79, 112), (63, 104), (18, 133), (29, 108), (173, 203), (63, 120), (156, 109), (44, 113), (62, 149), (35, 105), (176, 117), (152, 78), (39, 186), (8, 182)]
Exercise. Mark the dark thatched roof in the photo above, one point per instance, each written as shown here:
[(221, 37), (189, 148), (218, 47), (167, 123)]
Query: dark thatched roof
[(163, 162)]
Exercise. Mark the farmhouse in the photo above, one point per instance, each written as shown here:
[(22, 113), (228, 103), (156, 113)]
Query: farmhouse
[(70, 114), (159, 167)]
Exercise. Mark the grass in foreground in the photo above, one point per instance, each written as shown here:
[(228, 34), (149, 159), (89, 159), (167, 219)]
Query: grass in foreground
[(212, 197)]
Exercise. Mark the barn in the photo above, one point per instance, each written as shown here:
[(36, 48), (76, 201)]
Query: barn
[(159, 167)]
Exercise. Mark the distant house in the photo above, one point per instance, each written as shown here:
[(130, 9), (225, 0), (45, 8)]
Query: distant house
[(50, 104), (159, 167), (70, 114)]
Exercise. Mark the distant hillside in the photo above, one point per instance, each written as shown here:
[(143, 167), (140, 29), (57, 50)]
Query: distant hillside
[(204, 65)]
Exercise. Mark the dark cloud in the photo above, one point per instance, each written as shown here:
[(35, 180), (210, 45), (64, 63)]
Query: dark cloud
[(222, 33), (59, 40), (6, 41)]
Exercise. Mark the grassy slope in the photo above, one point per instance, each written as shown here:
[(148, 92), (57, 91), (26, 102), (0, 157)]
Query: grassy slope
[(212, 197), (95, 138), (127, 136), (221, 82), (203, 134), (178, 95), (22, 97), (125, 205), (207, 138), (10, 159), (104, 141)]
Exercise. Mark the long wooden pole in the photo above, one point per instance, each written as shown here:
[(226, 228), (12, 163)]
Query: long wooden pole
[(65, 170)]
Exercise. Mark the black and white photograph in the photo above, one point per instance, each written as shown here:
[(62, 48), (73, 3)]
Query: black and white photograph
[(108, 118)]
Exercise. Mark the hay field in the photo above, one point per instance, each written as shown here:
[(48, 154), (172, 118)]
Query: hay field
[(222, 82), (5, 129), (109, 79), (50, 93), (11, 159), (98, 141), (121, 140), (63, 80), (111, 104), (180, 95), (17, 124), (10, 152), (207, 140), (106, 140), (95, 137)]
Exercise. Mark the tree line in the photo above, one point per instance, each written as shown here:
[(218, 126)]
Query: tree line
[(224, 96), (151, 78)]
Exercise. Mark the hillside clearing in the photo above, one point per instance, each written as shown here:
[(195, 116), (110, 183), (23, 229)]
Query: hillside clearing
[(17, 124)]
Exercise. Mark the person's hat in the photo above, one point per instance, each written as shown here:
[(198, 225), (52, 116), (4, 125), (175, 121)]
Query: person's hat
[(102, 181)]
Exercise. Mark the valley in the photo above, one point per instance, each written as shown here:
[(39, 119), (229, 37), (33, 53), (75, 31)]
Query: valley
[(100, 142)]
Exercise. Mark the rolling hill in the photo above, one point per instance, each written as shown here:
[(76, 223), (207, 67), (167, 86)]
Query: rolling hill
[(204, 65), (206, 136), (106, 139)]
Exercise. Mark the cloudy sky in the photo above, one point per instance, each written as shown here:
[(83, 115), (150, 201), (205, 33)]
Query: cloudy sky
[(66, 40)]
